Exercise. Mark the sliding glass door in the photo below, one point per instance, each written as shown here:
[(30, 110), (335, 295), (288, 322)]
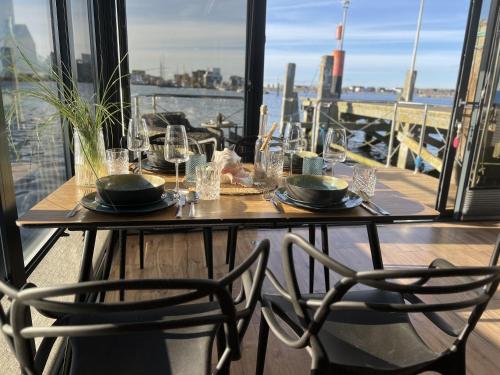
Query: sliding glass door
[(35, 141)]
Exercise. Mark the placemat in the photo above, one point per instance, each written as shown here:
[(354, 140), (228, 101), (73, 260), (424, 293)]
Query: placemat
[(234, 189)]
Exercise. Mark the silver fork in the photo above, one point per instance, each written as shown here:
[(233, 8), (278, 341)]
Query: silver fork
[(181, 201), (268, 195), (78, 206)]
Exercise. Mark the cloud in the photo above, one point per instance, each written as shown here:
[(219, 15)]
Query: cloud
[(281, 33), (289, 5)]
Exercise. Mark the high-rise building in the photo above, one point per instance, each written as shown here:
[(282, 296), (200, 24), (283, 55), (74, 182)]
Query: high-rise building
[(6, 16), (14, 37)]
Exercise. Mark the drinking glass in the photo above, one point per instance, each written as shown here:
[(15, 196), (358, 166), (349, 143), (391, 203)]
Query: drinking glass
[(293, 142), (312, 166), (138, 138), (335, 146), (176, 149), (364, 178), (191, 164), (208, 181), (274, 160), (117, 161)]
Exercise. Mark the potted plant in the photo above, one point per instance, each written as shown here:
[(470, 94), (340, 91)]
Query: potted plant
[(86, 115)]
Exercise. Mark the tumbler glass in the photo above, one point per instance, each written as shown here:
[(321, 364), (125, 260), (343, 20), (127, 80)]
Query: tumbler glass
[(208, 181), (364, 179), (312, 166), (117, 161)]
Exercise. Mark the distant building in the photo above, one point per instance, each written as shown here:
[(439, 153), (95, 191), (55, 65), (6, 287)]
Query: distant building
[(138, 77), (213, 78), (84, 68), (15, 37), (236, 83), (198, 78)]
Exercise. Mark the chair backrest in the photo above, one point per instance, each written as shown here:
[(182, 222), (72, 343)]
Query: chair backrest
[(20, 332), (159, 121), (481, 280)]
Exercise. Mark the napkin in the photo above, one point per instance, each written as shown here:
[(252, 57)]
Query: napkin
[(232, 171)]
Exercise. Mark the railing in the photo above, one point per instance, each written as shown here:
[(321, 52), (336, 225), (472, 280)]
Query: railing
[(411, 114)]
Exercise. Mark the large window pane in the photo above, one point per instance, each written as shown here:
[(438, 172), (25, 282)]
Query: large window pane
[(194, 48), (35, 143)]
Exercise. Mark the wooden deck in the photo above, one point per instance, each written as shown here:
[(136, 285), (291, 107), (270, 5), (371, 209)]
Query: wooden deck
[(181, 255)]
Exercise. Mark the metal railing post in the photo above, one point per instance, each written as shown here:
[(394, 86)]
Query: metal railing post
[(390, 146), (315, 126), (136, 108), (153, 98), (422, 136)]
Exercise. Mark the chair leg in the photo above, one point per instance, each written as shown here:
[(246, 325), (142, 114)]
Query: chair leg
[(221, 347), (123, 256), (262, 346), (312, 241), (326, 251), (141, 249), (456, 364), (109, 261)]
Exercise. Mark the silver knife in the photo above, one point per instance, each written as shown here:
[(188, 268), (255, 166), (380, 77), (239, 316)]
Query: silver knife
[(367, 200), (380, 209)]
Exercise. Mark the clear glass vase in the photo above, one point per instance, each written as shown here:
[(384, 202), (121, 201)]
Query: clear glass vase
[(90, 158)]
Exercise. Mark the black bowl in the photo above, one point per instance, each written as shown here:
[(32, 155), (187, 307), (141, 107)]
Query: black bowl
[(130, 189), (317, 190)]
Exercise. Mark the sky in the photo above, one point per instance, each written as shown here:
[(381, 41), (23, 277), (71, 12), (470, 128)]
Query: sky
[(378, 40), (199, 34)]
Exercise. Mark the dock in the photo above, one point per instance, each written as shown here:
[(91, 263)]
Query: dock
[(414, 134)]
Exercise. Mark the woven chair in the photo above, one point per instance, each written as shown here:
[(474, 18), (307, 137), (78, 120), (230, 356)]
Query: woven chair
[(169, 335), (350, 330)]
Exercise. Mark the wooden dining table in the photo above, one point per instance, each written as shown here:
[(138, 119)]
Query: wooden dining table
[(394, 192)]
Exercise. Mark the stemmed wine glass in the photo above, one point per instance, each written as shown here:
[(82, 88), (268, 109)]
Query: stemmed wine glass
[(138, 138), (176, 149), (335, 146), (292, 142)]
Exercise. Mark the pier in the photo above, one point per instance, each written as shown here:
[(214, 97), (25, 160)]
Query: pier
[(414, 134)]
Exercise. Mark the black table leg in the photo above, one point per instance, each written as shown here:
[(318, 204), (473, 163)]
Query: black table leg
[(312, 241), (207, 240), (88, 253), (326, 251), (123, 257), (378, 263), (232, 243), (141, 249)]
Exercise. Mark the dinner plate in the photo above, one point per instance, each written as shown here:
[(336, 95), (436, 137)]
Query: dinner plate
[(351, 200), (135, 205), (89, 202)]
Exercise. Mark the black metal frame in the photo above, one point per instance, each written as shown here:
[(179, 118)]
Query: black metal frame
[(459, 105), (109, 26), (476, 115), (254, 65), (12, 260)]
